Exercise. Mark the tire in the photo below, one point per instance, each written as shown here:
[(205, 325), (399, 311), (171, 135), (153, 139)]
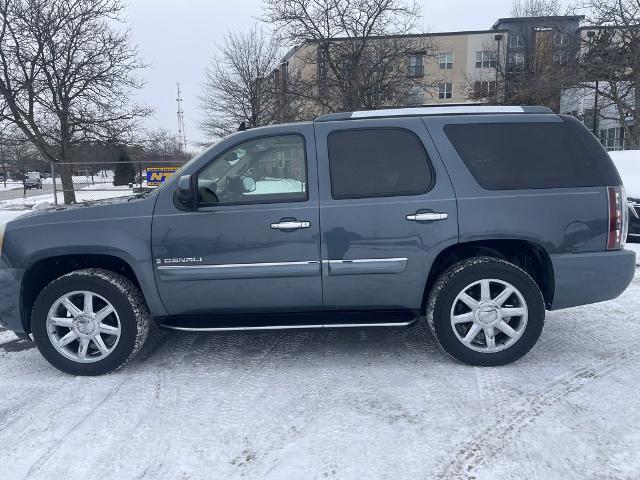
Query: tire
[(123, 331), (465, 333)]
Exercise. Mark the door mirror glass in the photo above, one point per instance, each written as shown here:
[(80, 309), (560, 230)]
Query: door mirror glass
[(184, 194), (248, 184)]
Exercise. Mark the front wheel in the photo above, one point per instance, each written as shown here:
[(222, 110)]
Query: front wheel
[(485, 311), (90, 322)]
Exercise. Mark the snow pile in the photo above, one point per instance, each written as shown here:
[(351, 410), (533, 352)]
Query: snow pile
[(628, 164)]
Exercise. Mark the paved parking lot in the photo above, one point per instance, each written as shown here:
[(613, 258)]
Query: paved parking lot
[(343, 404)]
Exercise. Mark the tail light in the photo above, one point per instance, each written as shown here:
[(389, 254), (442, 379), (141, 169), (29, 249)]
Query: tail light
[(618, 218)]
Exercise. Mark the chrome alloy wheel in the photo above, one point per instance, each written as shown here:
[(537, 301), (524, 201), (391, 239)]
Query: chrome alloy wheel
[(489, 315), (83, 327)]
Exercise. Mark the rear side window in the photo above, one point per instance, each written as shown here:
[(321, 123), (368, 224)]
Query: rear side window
[(379, 162), (505, 156)]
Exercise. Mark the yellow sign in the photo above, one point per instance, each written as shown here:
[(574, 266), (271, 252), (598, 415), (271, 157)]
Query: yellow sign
[(157, 175)]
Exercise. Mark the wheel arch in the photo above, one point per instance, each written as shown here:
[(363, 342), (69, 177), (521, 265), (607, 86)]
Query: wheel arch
[(529, 256), (47, 267)]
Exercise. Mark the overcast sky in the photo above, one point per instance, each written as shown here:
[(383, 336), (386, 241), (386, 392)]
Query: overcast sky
[(178, 39)]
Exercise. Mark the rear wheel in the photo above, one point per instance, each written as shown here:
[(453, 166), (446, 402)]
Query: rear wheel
[(90, 322), (485, 311)]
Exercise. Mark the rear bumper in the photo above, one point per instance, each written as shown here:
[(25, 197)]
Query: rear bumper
[(584, 278), (10, 281)]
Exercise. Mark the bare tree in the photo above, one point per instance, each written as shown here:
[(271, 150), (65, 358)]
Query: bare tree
[(238, 86), (536, 8), (351, 54), (611, 61), (66, 70)]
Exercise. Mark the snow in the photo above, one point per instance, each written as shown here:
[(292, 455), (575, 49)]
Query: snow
[(11, 185), (8, 215), (628, 164), (88, 193), (335, 404)]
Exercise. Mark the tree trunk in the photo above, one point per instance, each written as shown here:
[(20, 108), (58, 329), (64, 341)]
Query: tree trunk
[(66, 176)]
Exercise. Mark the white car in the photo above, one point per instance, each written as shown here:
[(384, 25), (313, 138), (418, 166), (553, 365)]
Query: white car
[(628, 164)]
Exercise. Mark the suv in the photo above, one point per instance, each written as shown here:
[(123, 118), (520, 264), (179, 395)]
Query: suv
[(33, 180), (479, 218)]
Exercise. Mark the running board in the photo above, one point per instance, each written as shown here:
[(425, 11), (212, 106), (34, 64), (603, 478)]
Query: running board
[(286, 327), (298, 321)]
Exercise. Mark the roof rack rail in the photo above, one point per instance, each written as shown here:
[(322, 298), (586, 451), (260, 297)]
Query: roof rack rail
[(432, 110)]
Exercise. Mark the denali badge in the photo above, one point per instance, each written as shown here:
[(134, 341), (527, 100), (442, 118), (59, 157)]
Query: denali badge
[(171, 261)]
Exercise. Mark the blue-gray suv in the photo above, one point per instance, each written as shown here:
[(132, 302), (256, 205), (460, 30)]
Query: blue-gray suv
[(477, 218)]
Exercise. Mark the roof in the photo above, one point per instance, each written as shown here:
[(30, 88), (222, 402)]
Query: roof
[(432, 110), (537, 19)]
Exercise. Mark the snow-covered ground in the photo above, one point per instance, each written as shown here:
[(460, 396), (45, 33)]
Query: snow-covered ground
[(341, 404), (11, 185), (98, 191)]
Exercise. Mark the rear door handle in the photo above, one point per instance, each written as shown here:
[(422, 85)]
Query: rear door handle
[(427, 217), (290, 225)]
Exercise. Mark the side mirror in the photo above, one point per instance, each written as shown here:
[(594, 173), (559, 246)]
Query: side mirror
[(248, 184), (185, 195)]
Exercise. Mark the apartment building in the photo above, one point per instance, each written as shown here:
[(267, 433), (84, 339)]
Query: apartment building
[(456, 67), (497, 65)]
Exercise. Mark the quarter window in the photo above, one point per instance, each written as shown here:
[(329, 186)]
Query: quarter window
[(263, 170), (506, 156), (377, 163)]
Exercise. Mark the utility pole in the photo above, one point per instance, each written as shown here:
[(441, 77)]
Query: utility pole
[(182, 138)]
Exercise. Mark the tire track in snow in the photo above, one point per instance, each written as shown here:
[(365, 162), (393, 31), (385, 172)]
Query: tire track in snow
[(493, 439)]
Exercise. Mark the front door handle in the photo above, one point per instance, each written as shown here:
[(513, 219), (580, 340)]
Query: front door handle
[(427, 217), (290, 225)]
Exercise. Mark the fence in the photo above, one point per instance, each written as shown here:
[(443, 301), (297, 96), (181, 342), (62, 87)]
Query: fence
[(85, 181)]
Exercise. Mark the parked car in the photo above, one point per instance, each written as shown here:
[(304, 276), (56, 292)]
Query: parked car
[(479, 218), (628, 164), (32, 180)]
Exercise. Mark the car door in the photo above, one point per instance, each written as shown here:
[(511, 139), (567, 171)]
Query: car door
[(252, 244), (387, 209)]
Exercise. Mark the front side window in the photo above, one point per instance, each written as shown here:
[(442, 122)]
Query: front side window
[(445, 90), (378, 162), (263, 170)]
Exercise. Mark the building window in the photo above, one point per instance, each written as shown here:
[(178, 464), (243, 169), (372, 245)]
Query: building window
[(484, 89), (515, 62), (415, 95), (485, 59), (516, 40), (559, 39), (612, 138), (446, 61), (560, 58), (445, 90), (416, 68)]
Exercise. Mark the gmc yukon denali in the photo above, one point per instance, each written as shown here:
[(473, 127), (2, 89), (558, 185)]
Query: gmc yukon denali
[(478, 219)]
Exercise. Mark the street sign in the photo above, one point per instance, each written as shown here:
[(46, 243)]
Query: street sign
[(157, 175)]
